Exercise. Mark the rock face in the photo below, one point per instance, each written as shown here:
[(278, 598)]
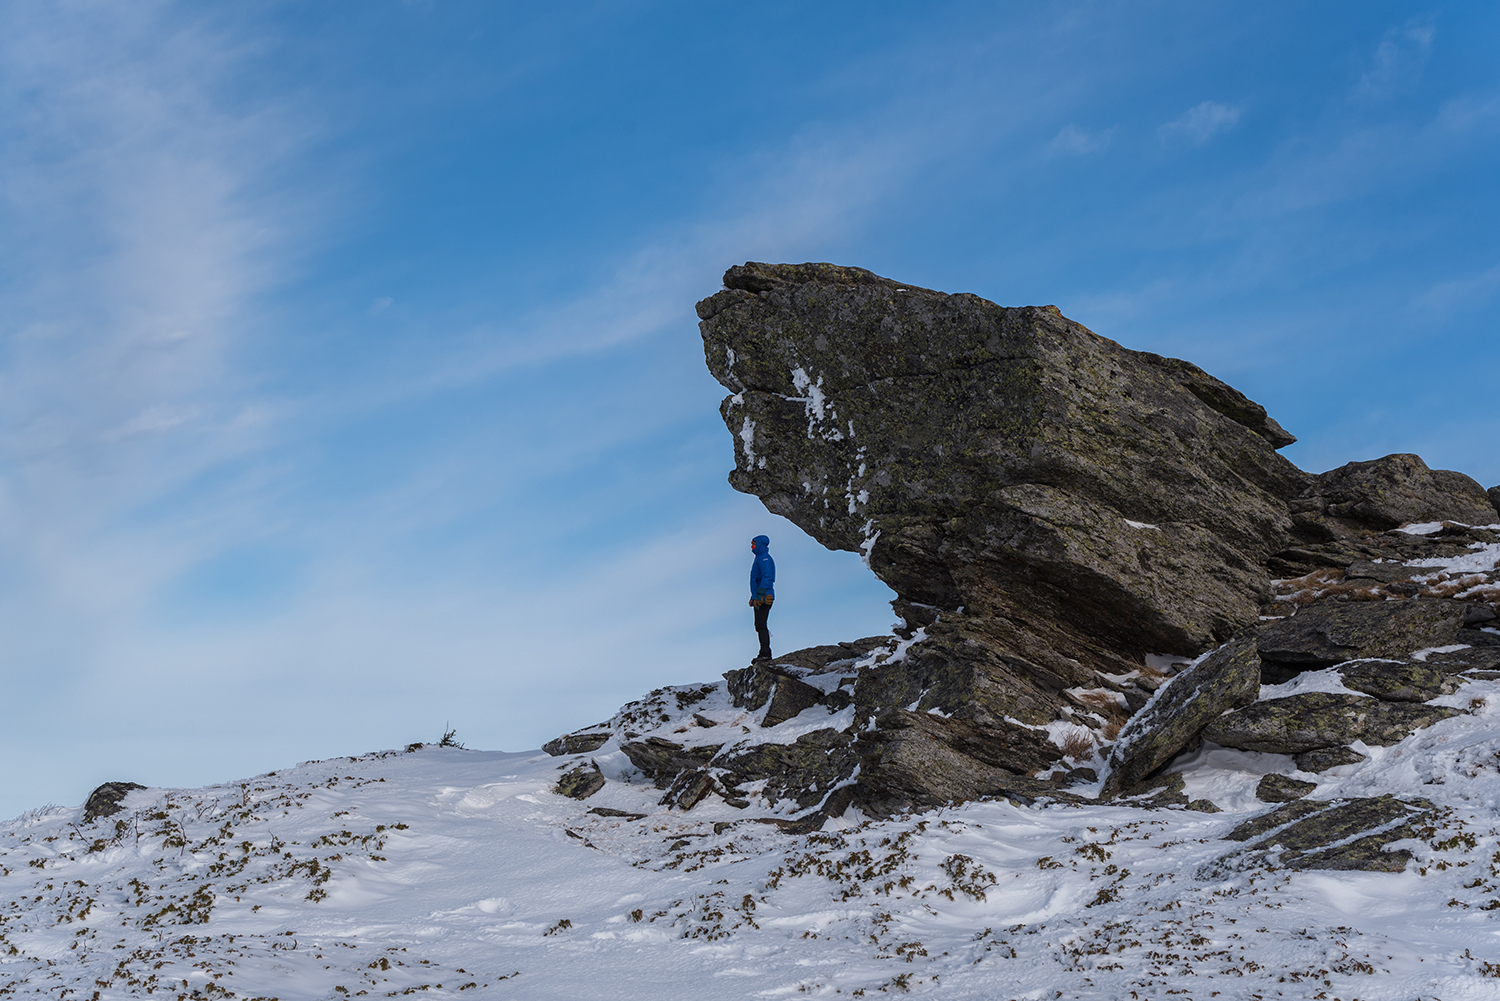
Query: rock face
[(1078, 501)]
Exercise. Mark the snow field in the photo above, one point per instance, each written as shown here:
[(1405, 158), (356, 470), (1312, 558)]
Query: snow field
[(453, 873)]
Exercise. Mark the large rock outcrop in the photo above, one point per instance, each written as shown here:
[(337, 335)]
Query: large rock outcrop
[(1051, 508), (1062, 498)]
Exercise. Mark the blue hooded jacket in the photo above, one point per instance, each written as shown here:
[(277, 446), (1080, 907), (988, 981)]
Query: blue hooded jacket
[(763, 570)]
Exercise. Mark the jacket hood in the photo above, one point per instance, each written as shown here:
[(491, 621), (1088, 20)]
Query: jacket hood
[(762, 543)]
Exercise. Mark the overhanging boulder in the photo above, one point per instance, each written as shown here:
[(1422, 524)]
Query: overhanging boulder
[(1008, 462)]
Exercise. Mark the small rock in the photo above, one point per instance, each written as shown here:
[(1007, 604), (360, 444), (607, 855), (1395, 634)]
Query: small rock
[(1471, 659), (1395, 682), (1324, 758), (1317, 835), (576, 743), (1258, 827), (1479, 638), (606, 811), (789, 698), (1282, 788), (1476, 615), (581, 783), (1311, 720), (1158, 791), (688, 789), (750, 687), (105, 800), (1385, 573)]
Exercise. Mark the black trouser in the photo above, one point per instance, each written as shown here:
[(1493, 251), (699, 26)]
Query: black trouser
[(762, 612)]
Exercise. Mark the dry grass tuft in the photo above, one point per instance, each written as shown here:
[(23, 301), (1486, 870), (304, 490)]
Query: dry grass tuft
[(1100, 698), (1078, 745), (1111, 730)]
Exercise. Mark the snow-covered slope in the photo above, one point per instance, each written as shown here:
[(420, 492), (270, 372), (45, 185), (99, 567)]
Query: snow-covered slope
[(444, 872)]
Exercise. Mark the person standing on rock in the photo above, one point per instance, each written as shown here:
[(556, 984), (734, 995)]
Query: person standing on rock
[(762, 591)]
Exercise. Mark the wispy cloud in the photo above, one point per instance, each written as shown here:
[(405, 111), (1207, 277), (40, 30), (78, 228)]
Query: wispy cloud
[(1462, 293), (1073, 141), (136, 184), (1398, 60), (1201, 123)]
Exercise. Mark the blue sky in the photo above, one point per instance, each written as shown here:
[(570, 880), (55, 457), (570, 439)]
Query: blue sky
[(350, 381)]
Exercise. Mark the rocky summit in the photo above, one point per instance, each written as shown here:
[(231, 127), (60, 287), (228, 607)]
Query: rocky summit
[(1101, 562)]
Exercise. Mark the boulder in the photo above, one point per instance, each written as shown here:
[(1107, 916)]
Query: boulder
[(1493, 493), (1333, 632), (1326, 835), (661, 760), (1480, 615), (788, 698), (577, 743), (1387, 493), (581, 782), (912, 761), (1311, 720), (802, 771), (105, 801), (751, 687), (1226, 679), (688, 789), (1396, 681), (1323, 758), (830, 657), (1274, 788), (1088, 500), (1480, 638)]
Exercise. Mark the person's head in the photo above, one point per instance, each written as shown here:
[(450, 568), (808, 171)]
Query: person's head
[(760, 543)]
